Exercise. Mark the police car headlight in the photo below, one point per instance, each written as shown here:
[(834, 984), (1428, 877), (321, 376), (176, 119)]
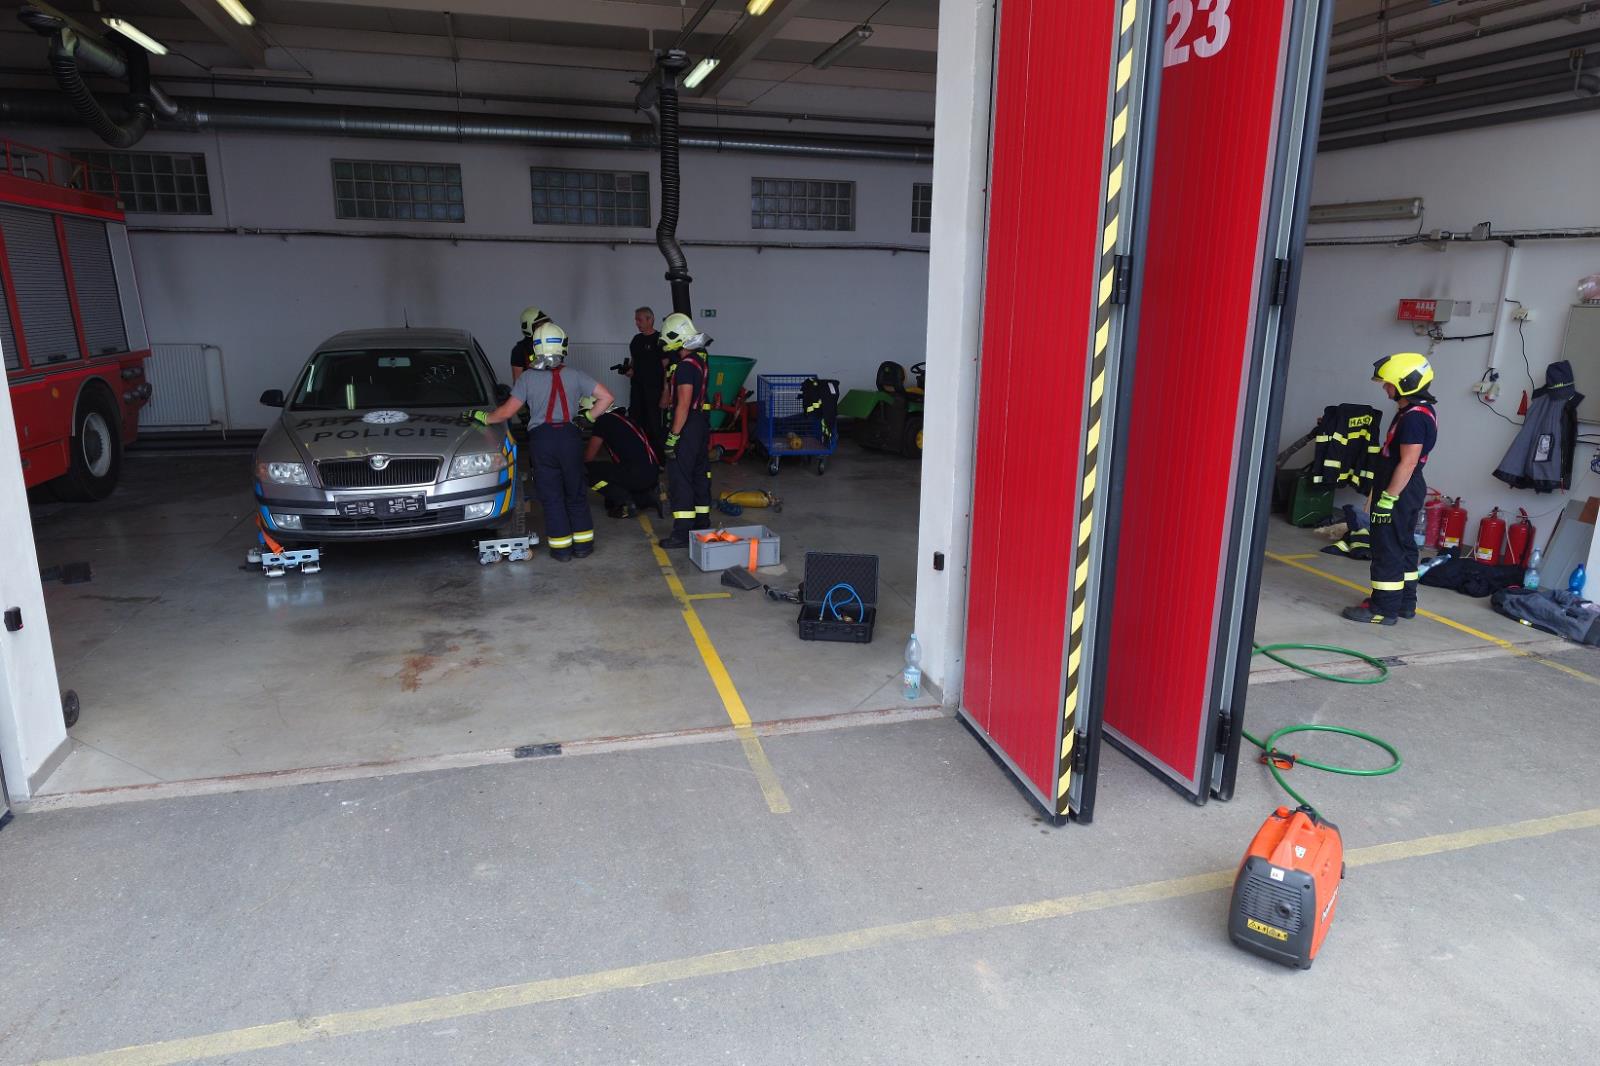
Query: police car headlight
[(479, 510), (286, 521), (477, 463), (283, 473)]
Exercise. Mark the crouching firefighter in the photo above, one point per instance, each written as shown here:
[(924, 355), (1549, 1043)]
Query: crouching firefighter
[(629, 475), (688, 435), (552, 392), (1401, 489)]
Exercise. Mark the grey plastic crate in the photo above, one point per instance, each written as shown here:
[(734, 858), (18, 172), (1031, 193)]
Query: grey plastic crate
[(719, 554)]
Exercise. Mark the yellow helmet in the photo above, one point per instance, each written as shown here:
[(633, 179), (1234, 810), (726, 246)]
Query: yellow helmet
[(1408, 372), (531, 317), (676, 330), (549, 346)]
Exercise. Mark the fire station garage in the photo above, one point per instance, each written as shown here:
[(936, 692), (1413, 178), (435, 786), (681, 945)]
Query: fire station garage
[(608, 530)]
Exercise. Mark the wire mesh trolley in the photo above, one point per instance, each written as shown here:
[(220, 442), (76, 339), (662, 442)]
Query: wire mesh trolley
[(784, 428)]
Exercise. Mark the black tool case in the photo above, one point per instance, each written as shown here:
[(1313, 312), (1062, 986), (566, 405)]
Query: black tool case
[(825, 570)]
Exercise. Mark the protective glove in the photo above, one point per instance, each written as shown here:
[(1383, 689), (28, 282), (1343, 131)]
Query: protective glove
[(585, 418), (1383, 510), (480, 417), (672, 445)]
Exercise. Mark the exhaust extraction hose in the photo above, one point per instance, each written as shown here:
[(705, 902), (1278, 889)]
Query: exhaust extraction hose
[(667, 228), (69, 53)]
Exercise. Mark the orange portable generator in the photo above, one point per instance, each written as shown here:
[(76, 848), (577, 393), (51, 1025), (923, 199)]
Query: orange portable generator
[(1288, 884)]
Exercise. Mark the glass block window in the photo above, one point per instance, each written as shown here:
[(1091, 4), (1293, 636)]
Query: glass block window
[(590, 197), (390, 191), (921, 207), (781, 203), (152, 183)]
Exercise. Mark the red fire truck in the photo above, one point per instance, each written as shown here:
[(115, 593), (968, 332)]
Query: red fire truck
[(71, 326)]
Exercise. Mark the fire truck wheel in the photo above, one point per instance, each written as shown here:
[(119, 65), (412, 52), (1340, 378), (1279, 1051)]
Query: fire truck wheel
[(96, 451)]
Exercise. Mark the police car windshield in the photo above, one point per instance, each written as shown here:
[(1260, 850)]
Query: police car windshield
[(388, 377)]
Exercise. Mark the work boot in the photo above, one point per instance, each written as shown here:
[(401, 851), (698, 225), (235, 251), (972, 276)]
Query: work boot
[(1403, 612), (677, 540), (630, 510), (582, 551), (561, 555), (1362, 612), (616, 510)]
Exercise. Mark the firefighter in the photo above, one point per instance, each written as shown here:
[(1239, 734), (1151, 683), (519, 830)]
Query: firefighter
[(647, 374), (629, 476), (1401, 489), (552, 394), (522, 351), (688, 435)]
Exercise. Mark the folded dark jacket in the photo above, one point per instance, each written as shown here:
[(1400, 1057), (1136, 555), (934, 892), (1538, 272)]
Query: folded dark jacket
[(1472, 578), (1553, 610)]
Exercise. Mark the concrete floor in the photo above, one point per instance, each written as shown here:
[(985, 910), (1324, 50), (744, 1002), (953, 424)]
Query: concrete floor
[(400, 653), (318, 923), (189, 666)]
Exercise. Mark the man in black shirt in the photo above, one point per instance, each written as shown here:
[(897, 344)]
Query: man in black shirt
[(522, 351), (647, 376), (628, 476)]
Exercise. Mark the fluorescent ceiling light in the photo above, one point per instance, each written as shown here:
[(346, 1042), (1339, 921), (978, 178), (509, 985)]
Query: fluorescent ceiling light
[(240, 13), (1398, 210), (137, 36), (859, 35), (701, 70), (758, 7)]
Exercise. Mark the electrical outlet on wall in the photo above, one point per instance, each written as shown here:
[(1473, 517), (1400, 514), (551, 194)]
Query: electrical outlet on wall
[(1522, 314)]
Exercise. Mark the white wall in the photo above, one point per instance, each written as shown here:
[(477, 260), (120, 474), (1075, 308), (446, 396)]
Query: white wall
[(33, 736), (266, 300), (1535, 175)]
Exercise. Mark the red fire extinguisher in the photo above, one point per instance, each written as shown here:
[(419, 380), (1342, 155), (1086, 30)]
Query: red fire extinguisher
[(1433, 515), (1519, 540), (1455, 524), (1491, 538)]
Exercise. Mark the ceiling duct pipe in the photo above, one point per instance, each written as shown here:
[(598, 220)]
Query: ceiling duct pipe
[(331, 120), (1554, 68), (1456, 125), (1566, 83)]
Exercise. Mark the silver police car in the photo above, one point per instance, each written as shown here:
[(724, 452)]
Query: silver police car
[(372, 443)]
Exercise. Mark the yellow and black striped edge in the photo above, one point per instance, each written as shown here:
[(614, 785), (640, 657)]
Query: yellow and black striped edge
[(1116, 172)]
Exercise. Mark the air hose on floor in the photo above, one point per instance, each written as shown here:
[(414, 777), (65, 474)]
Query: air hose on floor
[(1278, 761)]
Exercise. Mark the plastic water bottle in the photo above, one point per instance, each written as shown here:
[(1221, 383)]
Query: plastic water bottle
[(1530, 579), (1420, 531), (1575, 585), (911, 677)]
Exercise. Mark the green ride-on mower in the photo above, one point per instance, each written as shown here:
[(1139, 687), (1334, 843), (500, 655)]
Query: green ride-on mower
[(890, 419)]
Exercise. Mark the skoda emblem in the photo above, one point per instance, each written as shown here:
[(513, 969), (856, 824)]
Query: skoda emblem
[(378, 462)]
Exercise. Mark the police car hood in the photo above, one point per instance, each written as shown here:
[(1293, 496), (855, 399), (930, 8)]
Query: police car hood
[(318, 436)]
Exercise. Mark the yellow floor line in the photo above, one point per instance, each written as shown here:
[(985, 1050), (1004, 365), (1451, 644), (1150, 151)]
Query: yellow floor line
[(711, 596), (777, 801), (1307, 555), (1289, 560), (436, 1009)]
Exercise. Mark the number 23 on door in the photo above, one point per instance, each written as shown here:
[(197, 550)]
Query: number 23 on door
[(1180, 18)]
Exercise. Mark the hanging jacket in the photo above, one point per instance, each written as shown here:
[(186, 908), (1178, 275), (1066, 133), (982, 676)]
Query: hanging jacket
[(1541, 456), (1347, 447)]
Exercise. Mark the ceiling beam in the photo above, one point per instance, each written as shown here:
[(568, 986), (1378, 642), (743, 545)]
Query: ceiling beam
[(243, 40), (745, 43)]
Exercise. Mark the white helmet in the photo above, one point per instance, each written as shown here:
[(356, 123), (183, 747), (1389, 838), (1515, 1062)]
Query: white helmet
[(677, 331), (531, 317), (549, 346)]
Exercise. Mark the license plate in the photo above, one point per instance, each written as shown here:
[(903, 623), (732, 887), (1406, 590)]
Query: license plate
[(380, 507)]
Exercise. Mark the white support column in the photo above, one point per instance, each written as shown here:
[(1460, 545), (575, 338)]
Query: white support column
[(955, 315), (33, 737)]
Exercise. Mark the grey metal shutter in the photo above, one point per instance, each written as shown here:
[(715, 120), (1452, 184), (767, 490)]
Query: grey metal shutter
[(8, 339), (41, 286), (96, 279)]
